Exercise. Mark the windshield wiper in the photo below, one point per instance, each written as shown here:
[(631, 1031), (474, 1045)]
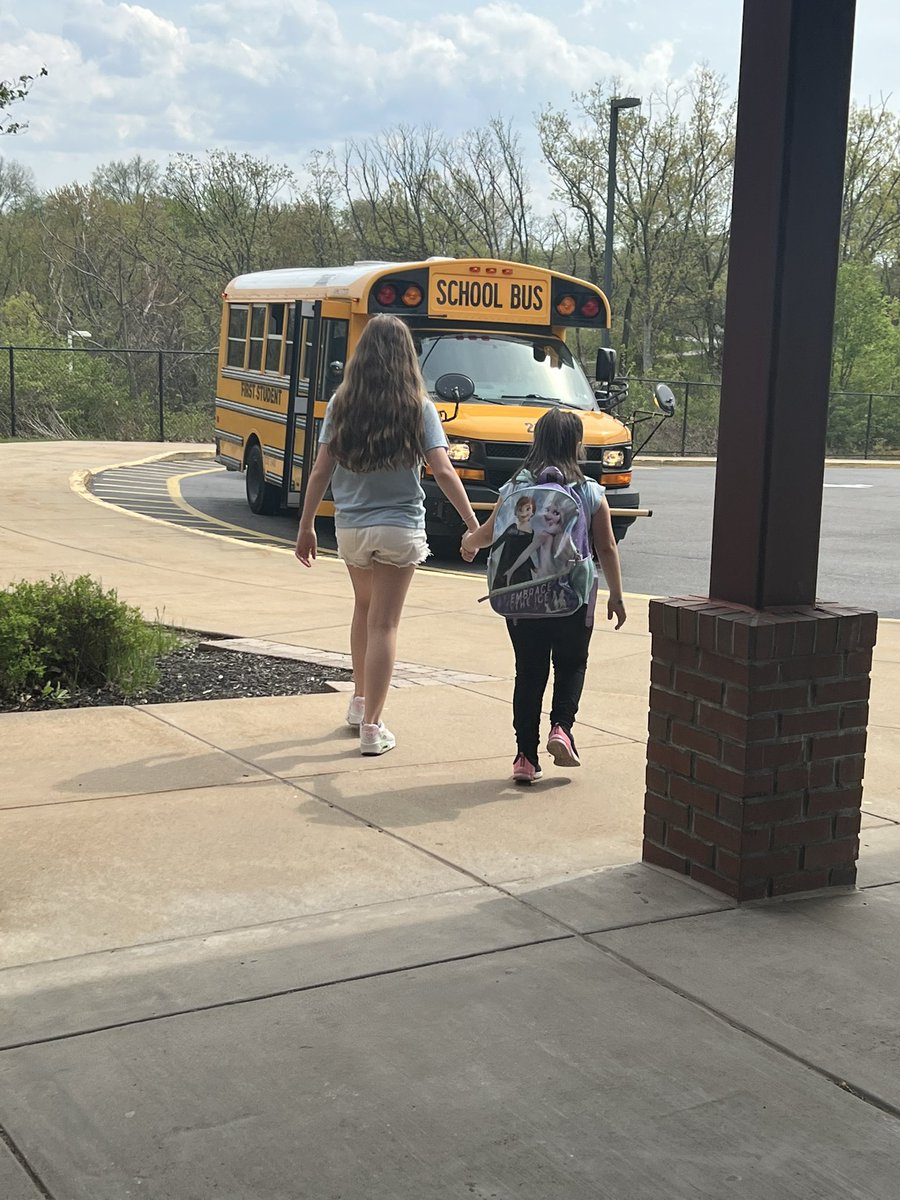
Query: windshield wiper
[(534, 398)]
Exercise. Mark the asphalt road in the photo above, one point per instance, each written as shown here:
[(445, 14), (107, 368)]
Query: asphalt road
[(668, 553)]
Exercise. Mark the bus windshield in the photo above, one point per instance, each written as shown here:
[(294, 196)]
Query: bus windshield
[(506, 369)]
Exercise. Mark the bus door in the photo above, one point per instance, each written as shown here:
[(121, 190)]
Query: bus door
[(329, 336), (302, 319)]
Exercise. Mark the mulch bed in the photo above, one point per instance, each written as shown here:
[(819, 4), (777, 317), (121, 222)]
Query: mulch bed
[(195, 672)]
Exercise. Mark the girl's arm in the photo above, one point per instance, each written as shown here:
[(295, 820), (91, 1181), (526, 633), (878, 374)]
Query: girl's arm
[(319, 478), (608, 553), (476, 539), (451, 485)]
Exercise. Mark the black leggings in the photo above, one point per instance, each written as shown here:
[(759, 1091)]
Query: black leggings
[(535, 641)]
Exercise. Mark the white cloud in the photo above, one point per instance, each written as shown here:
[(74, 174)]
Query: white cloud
[(167, 75)]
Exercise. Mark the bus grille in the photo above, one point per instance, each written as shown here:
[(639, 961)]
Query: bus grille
[(503, 459), (516, 451)]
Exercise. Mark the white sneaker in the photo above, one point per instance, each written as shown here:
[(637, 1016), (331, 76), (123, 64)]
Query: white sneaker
[(375, 739), (356, 711)]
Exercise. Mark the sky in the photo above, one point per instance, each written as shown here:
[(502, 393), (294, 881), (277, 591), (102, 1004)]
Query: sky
[(279, 80)]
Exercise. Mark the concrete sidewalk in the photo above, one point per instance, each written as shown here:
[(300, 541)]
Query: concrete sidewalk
[(238, 960)]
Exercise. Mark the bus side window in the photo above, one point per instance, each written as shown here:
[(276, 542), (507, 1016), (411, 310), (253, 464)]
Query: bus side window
[(289, 339), (333, 357), (237, 335), (305, 344), (274, 339), (306, 328), (257, 336)]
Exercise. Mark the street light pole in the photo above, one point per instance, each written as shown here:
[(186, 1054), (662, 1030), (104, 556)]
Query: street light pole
[(71, 335), (615, 104)]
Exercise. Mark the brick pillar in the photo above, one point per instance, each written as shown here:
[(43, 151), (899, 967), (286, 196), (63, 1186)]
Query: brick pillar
[(757, 744)]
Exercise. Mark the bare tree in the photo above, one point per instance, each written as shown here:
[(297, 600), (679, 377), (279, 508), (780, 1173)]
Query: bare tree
[(388, 183), (576, 151), (127, 182), (870, 222), (226, 209), (314, 230), (483, 192), (672, 186)]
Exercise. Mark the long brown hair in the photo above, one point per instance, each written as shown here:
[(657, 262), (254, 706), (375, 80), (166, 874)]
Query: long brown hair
[(378, 420), (557, 437)]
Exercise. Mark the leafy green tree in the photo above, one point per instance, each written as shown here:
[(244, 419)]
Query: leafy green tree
[(13, 91), (866, 355)]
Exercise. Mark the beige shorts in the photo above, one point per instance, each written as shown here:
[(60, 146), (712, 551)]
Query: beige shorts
[(393, 545)]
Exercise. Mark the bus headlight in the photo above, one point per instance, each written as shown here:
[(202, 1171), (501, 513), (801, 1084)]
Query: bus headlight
[(613, 458), (459, 451)]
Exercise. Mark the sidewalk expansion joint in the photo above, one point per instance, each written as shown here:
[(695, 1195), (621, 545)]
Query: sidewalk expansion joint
[(7, 1140), (277, 994), (845, 1085)]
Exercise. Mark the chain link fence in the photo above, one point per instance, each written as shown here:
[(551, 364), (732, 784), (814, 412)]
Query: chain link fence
[(169, 395), (112, 395), (860, 424)]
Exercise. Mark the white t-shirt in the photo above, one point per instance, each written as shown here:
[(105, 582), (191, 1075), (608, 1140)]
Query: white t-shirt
[(363, 498)]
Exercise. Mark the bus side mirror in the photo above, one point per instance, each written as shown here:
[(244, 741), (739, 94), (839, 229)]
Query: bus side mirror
[(605, 370), (664, 398), (454, 387)]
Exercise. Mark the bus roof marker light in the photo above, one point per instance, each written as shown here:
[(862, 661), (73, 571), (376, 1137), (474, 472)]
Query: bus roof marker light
[(590, 307), (565, 306), (412, 296), (386, 294)]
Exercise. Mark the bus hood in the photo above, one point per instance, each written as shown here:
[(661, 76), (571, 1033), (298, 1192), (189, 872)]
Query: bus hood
[(515, 423)]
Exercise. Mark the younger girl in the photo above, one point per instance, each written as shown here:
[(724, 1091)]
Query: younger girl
[(564, 640), (379, 426)]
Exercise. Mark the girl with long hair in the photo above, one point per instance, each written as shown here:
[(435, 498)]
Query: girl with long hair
[(564, 641), (379, 427)]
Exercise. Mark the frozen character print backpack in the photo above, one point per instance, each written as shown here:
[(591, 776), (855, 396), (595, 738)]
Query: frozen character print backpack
[(540, 562)]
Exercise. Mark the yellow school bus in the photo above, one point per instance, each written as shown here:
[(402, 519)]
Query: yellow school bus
[(491, 342)]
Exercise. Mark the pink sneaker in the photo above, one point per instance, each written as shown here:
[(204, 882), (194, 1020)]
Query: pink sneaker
[(525, 771), (562, 748)]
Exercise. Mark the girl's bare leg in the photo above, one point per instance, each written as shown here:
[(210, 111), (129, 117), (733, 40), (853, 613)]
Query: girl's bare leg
[(362, 597), (389, 588)]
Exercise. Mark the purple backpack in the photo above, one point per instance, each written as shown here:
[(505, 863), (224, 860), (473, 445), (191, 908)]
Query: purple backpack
[(540, 562)]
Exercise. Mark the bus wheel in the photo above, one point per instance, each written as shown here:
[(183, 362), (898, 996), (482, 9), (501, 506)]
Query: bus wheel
[(262, 496)]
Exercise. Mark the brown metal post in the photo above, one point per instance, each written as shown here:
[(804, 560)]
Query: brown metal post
[(788, 177), (759, 695)]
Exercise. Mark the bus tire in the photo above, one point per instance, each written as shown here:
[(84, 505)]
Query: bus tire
[(262, 497)]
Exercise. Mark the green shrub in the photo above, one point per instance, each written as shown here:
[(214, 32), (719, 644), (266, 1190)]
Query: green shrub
[(69, 633)]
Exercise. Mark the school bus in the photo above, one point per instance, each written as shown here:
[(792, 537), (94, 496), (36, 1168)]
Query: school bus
[(491, 338)]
